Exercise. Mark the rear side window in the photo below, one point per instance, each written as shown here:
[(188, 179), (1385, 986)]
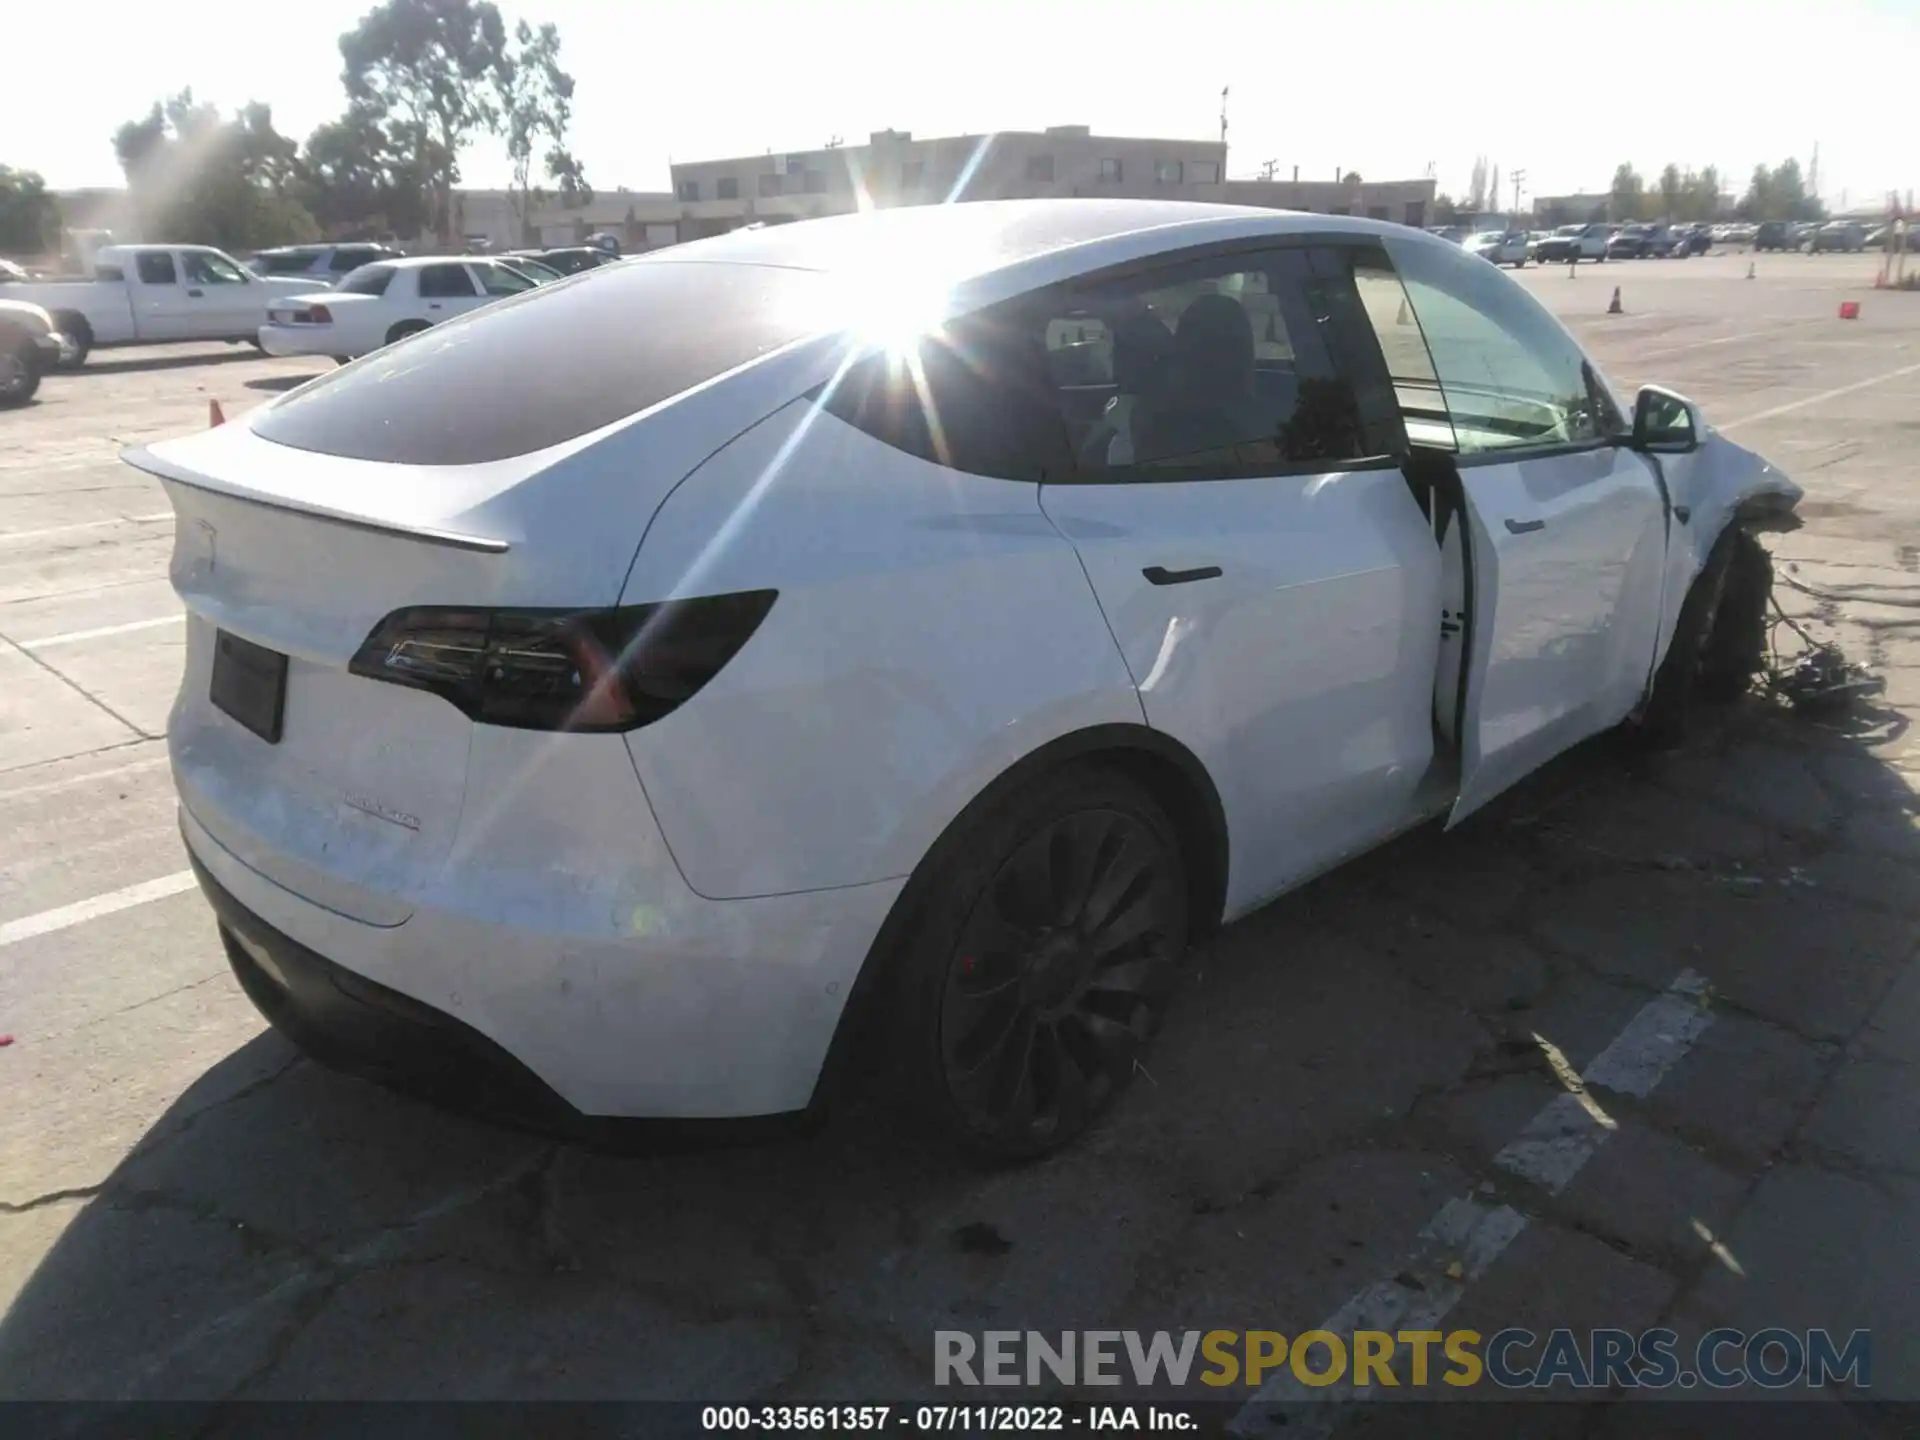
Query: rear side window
[(1215, 369), (537, 369), (156, 268), (445, 282), (367, 280)]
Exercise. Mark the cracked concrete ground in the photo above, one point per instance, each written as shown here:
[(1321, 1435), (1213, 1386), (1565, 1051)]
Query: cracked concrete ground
[(190, 1211)]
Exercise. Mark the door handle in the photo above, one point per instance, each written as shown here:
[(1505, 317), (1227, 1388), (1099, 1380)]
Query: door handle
[(1160, 575), (1525, 527), (433, 305), (197, 294)]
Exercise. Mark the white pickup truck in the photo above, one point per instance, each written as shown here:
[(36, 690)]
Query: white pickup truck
[(158, 295)]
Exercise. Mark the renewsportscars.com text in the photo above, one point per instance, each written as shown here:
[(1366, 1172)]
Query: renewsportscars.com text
[(1512, 1359)]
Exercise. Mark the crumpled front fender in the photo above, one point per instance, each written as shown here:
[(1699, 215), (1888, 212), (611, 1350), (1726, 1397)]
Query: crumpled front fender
[(1725, 480)]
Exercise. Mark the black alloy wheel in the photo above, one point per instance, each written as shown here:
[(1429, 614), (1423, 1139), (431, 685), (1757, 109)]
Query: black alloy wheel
[(1060, 976)]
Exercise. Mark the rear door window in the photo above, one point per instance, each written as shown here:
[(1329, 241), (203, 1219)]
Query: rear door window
[(596, 352), (156, 267), (1237, 366), (445, 282)]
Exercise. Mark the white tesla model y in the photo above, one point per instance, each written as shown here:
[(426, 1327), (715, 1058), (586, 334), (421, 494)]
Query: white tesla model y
[(928, 621)]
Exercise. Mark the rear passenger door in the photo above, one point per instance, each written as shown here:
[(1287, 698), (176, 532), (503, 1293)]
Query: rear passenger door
[(446, 290), (161, 309), (1239, 508)]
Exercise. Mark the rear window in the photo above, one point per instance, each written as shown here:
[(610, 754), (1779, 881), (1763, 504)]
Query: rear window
[(552, 364), (367, 280)]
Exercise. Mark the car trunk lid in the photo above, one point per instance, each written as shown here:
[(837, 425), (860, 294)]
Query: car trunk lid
[(357, 804)]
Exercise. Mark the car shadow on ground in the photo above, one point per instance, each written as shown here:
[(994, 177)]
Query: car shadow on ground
[(286, 1232), (115, 363), (279, 383)]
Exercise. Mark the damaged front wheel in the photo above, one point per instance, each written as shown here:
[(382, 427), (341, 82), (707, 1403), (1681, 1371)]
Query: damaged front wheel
[(1718, 641)]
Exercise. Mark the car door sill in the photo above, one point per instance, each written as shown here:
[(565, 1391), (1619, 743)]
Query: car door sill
[(1431, 800)]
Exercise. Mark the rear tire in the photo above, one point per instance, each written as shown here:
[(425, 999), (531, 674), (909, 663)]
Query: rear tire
[(405, 328), (1039, 963)]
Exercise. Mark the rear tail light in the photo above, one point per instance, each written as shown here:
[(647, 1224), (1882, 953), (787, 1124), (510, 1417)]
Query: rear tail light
[(591, 670), (319, 315)]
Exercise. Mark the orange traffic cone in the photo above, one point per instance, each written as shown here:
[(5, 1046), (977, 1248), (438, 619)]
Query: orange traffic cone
[(1405, 318), (1750, 270), (1849, 309), (1615, 307), (215, 415)]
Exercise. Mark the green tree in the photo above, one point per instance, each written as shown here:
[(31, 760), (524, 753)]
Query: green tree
[(1672, 187), (1700, 195), (1628, 194), (197, 177), (428, 72), (535, 108), (1446, 210), (357, 175), (29, 215)]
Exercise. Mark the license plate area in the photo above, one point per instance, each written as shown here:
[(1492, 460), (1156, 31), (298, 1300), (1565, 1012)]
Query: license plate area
[(250, 684)]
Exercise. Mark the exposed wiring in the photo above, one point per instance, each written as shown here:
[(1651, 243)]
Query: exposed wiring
[(1820, 677)]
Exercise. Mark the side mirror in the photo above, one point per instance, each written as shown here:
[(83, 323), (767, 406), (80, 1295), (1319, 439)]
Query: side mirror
[(1666, 423)]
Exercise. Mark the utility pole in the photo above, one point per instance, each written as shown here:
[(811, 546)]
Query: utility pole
[(1223, 116), (1517, 176)]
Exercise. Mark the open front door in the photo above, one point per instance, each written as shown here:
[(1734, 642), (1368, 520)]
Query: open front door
[(1560, 530)]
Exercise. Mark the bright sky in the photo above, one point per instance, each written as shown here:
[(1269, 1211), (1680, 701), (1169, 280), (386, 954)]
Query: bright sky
[(1385, 87)]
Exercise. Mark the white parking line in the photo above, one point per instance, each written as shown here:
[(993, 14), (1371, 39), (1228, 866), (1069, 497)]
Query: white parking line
[(85, 525), (1466, 1237), (71, 637), (81, 911), (1824, 395), (74, 782)]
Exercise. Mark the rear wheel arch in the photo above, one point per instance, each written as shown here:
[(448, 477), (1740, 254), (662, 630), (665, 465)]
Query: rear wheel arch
[(1166, 769), (403, 328)]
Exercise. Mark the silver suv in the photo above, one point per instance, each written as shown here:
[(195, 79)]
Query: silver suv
[(325, 263)]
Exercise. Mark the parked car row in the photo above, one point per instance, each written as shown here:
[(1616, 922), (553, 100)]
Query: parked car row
[(304, 299)]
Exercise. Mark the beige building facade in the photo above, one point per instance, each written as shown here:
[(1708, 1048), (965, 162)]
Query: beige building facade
[(895, 168)]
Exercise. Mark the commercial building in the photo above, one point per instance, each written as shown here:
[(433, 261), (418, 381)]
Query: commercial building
[(895, 168)]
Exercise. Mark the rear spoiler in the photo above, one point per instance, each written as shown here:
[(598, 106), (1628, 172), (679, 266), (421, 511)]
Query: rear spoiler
[(143, 459)]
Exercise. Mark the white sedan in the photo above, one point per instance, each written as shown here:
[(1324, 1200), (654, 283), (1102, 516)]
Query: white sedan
[(1499, 247), (922, 624), (384, 302)]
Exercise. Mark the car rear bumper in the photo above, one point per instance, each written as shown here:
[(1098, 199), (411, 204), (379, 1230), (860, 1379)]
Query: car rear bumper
[(670, 1007), (298, 340)]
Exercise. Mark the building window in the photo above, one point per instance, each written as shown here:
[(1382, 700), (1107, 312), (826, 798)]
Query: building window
[(769, 184), (912, 173), (1204, 172), (689, 189), (1376, 212), (1167, 172), (727, 187), (1416, 213), (1040, 168), (1110, 172)]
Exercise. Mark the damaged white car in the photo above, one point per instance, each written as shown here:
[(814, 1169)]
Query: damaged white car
[(922, 624)]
